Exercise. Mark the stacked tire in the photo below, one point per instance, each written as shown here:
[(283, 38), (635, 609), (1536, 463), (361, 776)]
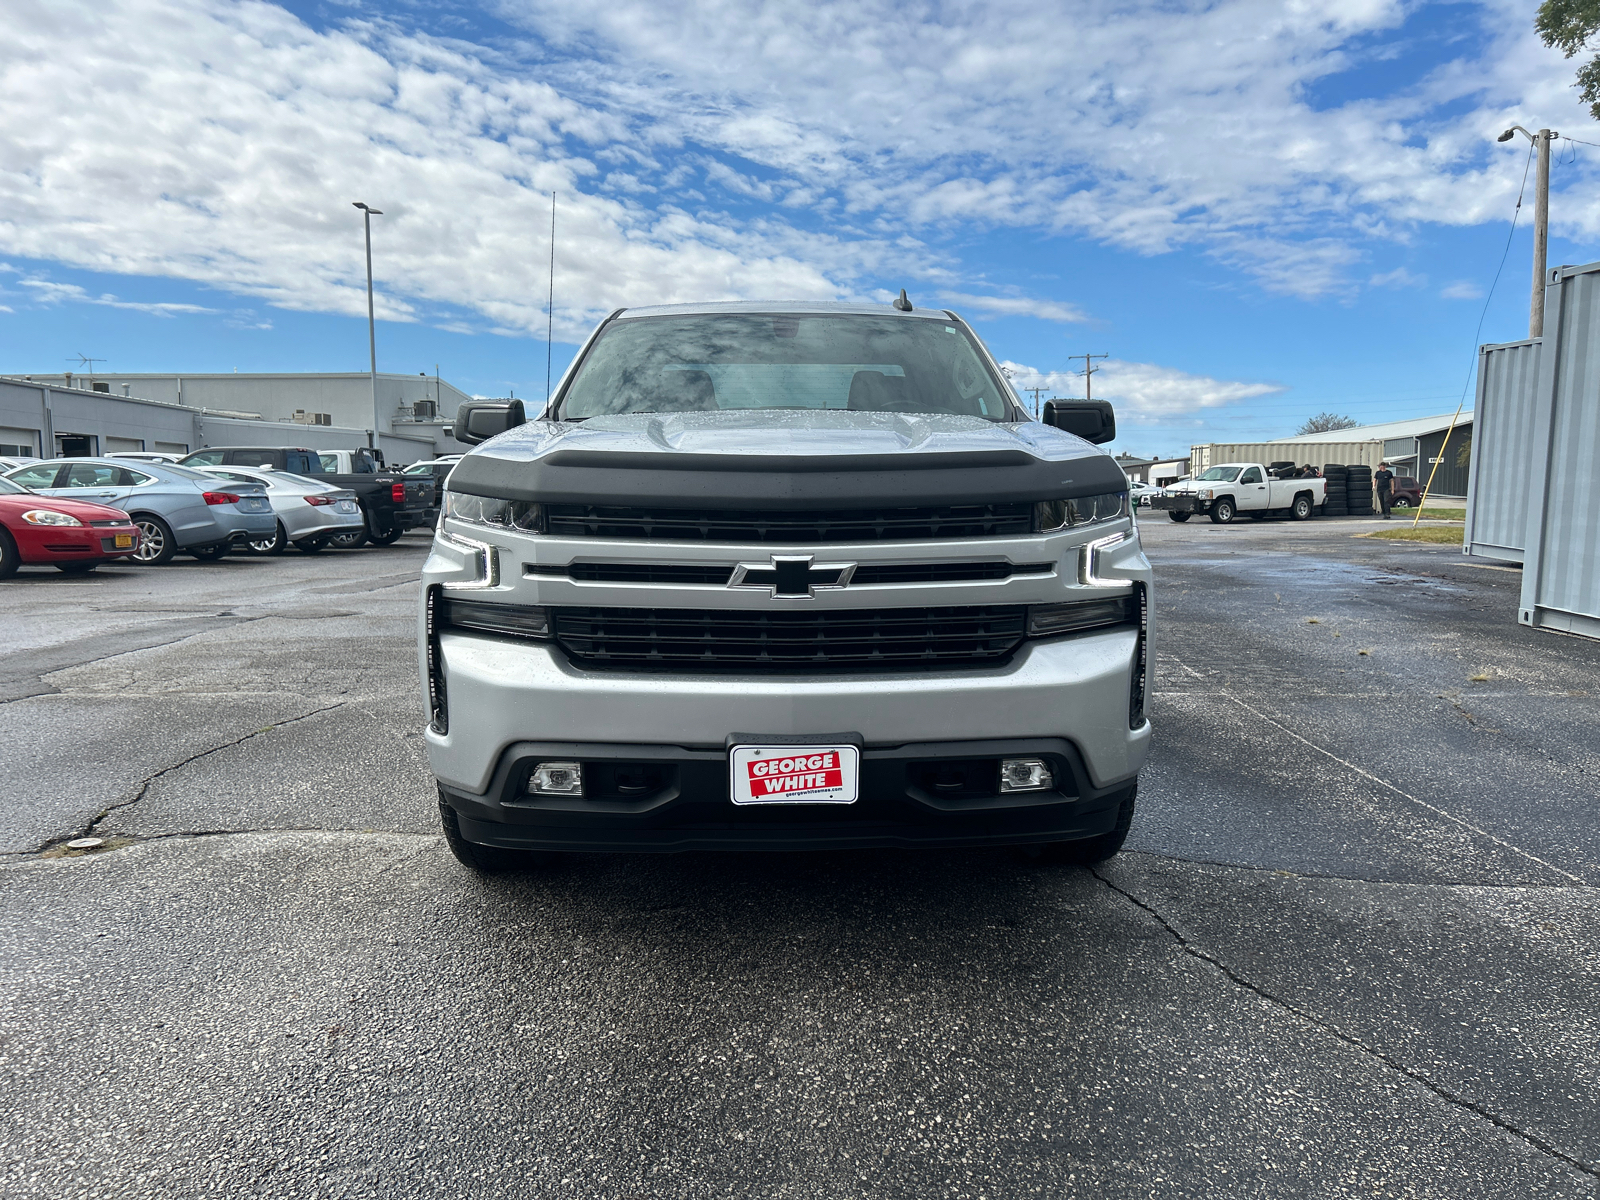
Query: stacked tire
[(1359, 485), (1337, 481)]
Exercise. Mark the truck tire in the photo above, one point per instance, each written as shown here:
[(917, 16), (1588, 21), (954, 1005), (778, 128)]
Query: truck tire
[(76, 568), (1301, 509), (212, 553), (311, 545), (1223, 511), (1179, 516), (387, 538), (485, 860), (1088, 851), (353, 540)]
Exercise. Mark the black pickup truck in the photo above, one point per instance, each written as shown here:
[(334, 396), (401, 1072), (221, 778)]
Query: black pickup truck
[(391, 503)]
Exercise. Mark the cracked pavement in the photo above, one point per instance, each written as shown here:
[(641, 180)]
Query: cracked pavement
[(1351, 950)]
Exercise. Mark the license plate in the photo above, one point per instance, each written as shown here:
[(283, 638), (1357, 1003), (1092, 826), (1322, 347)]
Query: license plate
[(124, 540), (794, 774), (345, 506), (253, 504)]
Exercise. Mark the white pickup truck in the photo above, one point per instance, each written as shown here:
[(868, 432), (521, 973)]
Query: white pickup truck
[(1228, 489)]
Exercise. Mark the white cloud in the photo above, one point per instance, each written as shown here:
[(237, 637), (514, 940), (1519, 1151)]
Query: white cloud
[(1462, 289), (222, 142), (46, 291), (1142, 391), (1398, 278), (1016, 306)]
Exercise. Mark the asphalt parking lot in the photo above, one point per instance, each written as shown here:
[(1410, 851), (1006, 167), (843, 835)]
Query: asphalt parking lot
[(1352, 948)]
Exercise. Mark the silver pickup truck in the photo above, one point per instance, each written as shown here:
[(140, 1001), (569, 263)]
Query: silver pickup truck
[(785, 576)]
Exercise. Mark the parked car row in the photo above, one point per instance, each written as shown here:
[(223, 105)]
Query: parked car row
[(76, 513)]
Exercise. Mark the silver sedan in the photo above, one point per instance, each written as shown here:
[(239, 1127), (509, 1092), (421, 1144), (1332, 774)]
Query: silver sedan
[(175, 508), (308, 512)]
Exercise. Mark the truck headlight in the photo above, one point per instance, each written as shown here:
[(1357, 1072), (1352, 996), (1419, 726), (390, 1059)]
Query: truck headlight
[(1051, 515), (524, 515)]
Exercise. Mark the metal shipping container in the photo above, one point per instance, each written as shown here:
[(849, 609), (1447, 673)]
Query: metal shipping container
[(1561, 566), (1499, 494)]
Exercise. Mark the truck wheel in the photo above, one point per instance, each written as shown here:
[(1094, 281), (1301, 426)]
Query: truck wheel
[(210, 553), (1088, 851), (76, 568), (1301, 510), (1180, 516), (1222, 512), (486, 860), (348, 541), (311, 545), (387, 538)]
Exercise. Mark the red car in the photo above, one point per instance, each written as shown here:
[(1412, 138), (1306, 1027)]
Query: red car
[(73, 535)]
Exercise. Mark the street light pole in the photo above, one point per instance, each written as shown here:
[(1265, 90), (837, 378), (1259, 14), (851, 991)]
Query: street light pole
[(1541, 222), (372, 328)]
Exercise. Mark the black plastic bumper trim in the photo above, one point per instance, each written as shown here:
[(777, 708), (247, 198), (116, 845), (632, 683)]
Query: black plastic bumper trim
[(696, 813)]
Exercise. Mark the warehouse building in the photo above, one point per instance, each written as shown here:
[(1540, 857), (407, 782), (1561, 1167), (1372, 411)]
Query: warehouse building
[(80, 415)]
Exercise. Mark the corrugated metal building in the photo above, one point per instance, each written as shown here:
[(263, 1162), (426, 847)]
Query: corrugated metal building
[(1498, 494), (41, 420)]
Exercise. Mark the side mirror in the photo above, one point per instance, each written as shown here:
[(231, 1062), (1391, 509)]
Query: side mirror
[(1092, 420), (479, 420)]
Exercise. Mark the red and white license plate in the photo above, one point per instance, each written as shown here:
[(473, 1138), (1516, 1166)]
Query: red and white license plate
[(794, 774)]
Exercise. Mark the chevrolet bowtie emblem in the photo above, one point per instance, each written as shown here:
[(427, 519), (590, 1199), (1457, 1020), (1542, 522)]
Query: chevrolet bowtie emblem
[(792, 575)]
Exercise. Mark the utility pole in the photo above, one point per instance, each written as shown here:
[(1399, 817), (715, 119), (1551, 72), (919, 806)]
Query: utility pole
[(372, 328), (1541, 222), (1035, 392), (1088, 371)]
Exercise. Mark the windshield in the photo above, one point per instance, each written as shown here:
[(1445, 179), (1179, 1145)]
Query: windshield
[(7, 488), (722, 362), (1219, 475)]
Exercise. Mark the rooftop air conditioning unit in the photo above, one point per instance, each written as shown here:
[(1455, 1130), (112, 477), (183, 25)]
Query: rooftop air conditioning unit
[(301, 417), (425, 410)]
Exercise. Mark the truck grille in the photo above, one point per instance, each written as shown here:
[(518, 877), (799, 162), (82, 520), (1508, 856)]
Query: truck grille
[(827, 640), (790, 528)]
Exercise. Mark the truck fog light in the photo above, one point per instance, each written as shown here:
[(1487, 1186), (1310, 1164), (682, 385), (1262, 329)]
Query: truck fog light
[(1026, 775), (557, 779)]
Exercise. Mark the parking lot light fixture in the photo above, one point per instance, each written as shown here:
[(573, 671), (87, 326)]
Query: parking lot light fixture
[(367, 213)]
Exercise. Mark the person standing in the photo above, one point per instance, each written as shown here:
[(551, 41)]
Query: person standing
[(1383, 480)]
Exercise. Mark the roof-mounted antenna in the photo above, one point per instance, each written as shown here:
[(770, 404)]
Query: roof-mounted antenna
[(903, 303)]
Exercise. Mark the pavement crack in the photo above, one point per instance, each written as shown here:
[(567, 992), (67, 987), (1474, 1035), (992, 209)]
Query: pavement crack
[(144, 786), (1437, 1089)]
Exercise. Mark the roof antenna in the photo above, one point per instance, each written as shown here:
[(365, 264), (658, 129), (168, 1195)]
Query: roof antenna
[(904, 302)]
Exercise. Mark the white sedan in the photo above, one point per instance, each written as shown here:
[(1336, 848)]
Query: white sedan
[(308, 512)]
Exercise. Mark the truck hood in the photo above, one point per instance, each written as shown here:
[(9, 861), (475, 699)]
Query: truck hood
[(784, 459)]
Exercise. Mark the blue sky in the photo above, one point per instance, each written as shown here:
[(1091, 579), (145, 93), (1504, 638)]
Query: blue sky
[(1258, 211)]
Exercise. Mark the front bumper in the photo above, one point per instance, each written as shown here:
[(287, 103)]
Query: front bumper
[(1187, 504), (72, 543), (1073, 691), (684, 803)]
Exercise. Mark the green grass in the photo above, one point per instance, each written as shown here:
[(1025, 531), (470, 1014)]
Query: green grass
[(1444, 535)]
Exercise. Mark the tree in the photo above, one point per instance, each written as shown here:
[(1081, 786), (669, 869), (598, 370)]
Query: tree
[(1570, 24), (1326, 422)]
